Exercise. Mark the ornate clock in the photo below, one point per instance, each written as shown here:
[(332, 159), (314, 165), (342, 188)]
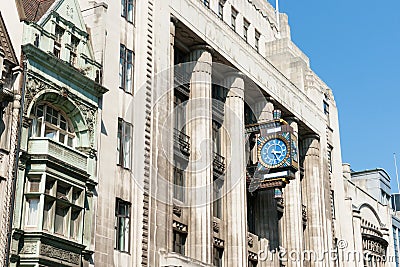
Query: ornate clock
[(273, 152)]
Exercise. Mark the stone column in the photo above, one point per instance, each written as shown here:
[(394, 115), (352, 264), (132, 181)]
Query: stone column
[(236, 237), (312, 192), (199, 125), (292, 227)]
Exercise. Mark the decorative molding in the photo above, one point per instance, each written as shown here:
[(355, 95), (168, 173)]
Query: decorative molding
[(250, 240), (35, 84), (177, 211), (179, 227), (29, 248), (60, 254), (216, 226)]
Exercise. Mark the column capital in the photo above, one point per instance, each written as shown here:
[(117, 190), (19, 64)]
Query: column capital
[(203, 47), (311, 136)]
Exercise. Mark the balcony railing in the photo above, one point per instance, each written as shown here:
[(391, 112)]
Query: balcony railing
[(219, 163), (182, 143), (58, 151)]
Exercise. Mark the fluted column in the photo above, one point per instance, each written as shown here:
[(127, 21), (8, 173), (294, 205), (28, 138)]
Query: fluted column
[(312, 192), (199, 126), (292, 227), (236, 243)]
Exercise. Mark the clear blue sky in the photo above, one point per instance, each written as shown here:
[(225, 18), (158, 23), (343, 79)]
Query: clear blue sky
[(354, 46)]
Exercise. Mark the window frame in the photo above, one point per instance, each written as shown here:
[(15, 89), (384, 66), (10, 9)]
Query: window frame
[(40, 124), (246, 26), (121, 145), (234, 14), (118, 216), (126, 6), (126, 69), (221, 6), (257, 37), (179, 246)]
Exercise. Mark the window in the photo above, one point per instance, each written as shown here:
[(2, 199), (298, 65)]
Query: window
[(396, 252), (326, 110), (74, 51), (179, 240), (217, 198), (221, 10), (206, 3), (125, 131), (234, 14), (50, 123), (122, 225), (218, 256), (257, 40), (127, 10), (179, 183), (59, 32), (180, 111), (246, 26), (216, 137), (126, 60), (60, 218), (333, 204), (32, 211)]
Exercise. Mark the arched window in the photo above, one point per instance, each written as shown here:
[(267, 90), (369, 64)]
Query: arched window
[(49, 122)]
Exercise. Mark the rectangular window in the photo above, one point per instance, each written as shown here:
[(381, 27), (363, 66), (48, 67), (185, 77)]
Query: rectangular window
[(333, 204), (60, 218), (216, 137), (32, 212), (218, 256), (48, 204), (179, 183), (125, 131), (234, 14), (221, 10), (326, 110), (206, 3), (179, 241), (59, 32), (257, 40), (122, 225), (217, 198), (246, 26), (180, 111), (74, 226), (128, 10), (126, 69), (74, 51)]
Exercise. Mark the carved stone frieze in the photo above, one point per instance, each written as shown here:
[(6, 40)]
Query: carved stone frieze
[(60, 254), (29, 248)]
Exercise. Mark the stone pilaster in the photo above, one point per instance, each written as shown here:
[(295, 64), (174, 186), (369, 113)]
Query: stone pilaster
[(236, 240), (199, 126), (313, 196), (292, 228)]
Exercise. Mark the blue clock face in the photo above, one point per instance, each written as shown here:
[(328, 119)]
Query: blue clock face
[(273, 152)]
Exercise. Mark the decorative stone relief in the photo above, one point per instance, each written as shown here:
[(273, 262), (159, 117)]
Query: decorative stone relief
[(250, 241), (56, 253), (34, 85), (177, 211), (216, 226), (29, 248)]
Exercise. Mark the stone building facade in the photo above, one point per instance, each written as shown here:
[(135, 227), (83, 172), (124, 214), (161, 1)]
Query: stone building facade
[(54, 206), (9, 117), (190, 78), (163, 170)]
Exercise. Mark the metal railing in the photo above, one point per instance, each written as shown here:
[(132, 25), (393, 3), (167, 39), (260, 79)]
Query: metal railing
[(182, 142), (218, 163)]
